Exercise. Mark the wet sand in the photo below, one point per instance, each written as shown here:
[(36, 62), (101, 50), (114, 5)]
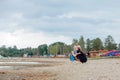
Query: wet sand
[(63, 69)]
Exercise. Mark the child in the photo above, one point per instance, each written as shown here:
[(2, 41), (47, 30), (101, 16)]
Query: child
[(74, 53)]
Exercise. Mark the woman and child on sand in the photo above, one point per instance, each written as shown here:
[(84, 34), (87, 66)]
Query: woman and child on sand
[(78, 55)]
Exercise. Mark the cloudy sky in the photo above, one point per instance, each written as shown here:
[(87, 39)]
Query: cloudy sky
[(28, 23)]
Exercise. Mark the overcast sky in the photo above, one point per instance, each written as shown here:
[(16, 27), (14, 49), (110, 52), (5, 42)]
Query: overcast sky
[(29, 23)]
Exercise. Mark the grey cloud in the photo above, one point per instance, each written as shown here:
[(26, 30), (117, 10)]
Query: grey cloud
[(42, 15)]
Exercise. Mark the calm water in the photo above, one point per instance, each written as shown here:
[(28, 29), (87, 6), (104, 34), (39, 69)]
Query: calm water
[(18, 63), (11, 67)]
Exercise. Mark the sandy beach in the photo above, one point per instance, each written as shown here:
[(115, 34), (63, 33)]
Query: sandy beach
[(63, 69)]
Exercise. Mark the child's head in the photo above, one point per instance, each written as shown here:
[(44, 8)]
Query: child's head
[(75, 47)]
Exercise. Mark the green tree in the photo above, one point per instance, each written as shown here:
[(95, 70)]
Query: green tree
[(53, 49), (110, 43), (97, 44), (82, 43), (88, 44), (57, 48), (119, 46), (43, 49), (67, 49), (3, 51), (35, 51), (74, 42)]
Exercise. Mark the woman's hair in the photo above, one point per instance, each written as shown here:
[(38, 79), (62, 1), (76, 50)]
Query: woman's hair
[(79, 47)]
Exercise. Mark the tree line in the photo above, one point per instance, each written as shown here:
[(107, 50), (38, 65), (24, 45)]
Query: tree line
[(60, 48)]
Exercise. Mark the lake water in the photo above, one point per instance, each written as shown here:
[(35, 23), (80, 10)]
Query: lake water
[(11, 67), (18, 63)]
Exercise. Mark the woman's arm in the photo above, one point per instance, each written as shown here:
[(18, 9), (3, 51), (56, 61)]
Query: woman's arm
[(74, 54)]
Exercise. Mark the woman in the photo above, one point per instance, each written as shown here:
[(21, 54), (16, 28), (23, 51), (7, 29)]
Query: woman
[(78, 55)]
